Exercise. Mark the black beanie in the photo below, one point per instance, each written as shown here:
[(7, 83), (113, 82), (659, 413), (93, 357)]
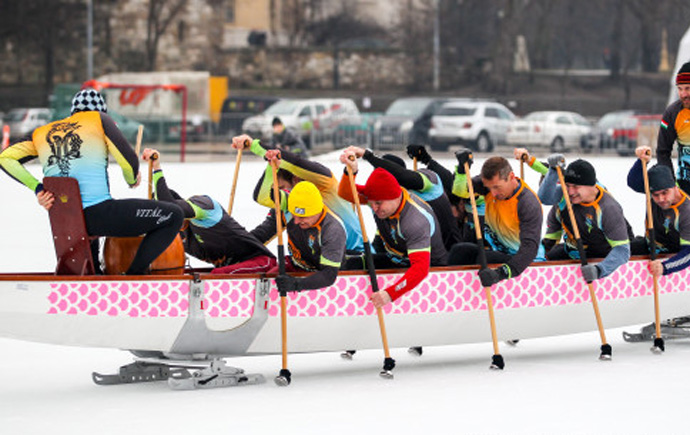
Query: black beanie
[(660, 178), (276, 121), (683, 77), (580, 172), (395, 159)]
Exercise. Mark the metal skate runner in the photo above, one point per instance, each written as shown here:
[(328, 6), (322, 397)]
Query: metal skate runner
[(181, 375), (671, 329)]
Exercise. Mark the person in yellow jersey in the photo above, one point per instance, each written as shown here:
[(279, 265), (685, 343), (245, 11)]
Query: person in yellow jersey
[(78, 147), (316, 239)]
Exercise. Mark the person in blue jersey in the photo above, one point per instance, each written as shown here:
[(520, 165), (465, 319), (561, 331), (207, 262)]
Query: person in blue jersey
[(210, 234), (78, 146), (603, 229), (670, 214), (294, 168)]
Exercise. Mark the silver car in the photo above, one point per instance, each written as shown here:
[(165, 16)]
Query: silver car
[(479, 125)]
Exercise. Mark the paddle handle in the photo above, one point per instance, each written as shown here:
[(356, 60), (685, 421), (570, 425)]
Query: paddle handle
[(583, 257), (140, 136), (482, 258), (369, 260), (523, 159), (281, 264), (234, 180), (276, 205), (652, 245), (475, 214), (153, 157)]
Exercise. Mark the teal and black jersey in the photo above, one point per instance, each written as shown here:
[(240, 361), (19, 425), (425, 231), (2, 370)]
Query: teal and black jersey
[(428, 186), (601, 224), (412, 228), (319, 246), (212, 235)]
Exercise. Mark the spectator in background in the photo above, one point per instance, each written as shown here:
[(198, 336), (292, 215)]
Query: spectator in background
[(287, 139)]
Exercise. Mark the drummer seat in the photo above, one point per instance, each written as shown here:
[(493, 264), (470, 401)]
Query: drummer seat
[(72, 242)]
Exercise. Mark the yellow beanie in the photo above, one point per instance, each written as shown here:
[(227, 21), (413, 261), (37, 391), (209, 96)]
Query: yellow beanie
[(305, 200)]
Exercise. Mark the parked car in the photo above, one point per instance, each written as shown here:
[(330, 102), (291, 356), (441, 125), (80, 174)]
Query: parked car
[(637, 130), (477, 124), (600, 136), (406, 121), (24, 120), (236, 110), (320, 114), (621, 130), (558, 130)]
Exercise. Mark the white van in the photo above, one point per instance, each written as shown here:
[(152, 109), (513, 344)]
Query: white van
[(24, 121), (304, 115)]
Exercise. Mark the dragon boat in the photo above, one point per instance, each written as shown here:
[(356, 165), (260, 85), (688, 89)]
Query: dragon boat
[(196, 319)]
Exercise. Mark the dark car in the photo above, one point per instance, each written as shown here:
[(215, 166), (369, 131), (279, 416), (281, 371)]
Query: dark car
[(406, 121), (236, 109)]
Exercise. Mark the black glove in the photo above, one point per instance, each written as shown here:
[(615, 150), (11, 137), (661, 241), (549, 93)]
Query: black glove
[(590, 273), (418, 152), (489, 277), (287, 283), (463, 155)]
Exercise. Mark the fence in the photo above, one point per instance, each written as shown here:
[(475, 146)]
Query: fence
[(207, 137)]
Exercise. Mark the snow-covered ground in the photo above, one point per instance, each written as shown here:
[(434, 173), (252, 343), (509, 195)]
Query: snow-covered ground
[(551, 385)]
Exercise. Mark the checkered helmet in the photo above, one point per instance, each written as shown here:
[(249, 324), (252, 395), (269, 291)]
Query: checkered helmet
[(88, 100)]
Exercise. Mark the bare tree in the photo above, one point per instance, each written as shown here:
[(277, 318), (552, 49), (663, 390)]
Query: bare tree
[(508, 21), (161, 14), (648, 14), (543, 11)]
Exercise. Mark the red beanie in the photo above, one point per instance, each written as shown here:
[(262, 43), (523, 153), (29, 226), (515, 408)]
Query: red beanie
[(380, 186), (683, 77)]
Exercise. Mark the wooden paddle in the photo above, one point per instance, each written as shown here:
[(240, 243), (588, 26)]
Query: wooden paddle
[(497, 360), (284, 377), (153, 158), (605, 347), (388, 362), (234, 180), (140, 135), (658, 341)]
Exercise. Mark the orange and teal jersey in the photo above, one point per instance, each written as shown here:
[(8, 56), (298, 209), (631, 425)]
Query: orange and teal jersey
[(514, 222), (512, 225), (78, 147), (675, 126)]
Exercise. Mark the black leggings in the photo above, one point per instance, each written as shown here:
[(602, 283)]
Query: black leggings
[(159, 221), (466, 253)]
